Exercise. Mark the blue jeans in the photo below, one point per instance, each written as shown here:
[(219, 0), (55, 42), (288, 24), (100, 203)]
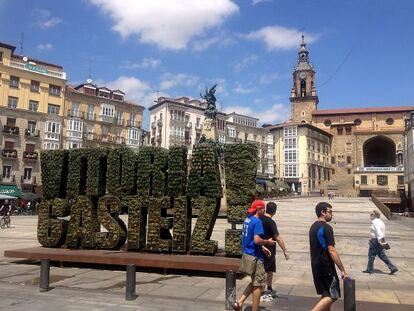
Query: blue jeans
[(375, 249)]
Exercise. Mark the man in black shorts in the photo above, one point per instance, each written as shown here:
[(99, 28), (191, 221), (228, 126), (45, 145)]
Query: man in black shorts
[(324, 257), (271, 232)]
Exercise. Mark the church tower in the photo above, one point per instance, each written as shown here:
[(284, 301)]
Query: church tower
[(303, 96)]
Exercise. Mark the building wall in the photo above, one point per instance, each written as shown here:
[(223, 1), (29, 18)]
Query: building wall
[(409, 158), (24, 127)]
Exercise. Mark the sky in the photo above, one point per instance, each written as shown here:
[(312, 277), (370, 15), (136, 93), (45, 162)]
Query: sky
[(361, 49)]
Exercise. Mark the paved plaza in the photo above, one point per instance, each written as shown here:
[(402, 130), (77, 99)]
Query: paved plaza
[(88, 288)]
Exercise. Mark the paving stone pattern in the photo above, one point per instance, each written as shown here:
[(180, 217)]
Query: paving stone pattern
[(84, 287)]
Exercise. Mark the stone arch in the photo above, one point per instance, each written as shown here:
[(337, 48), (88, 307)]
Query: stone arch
[(379, 151)]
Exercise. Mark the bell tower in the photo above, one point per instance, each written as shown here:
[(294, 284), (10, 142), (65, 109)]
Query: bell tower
[(303, 96)]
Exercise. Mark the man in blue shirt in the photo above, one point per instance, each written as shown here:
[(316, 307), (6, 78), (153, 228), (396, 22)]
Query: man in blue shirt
[(253, 253)]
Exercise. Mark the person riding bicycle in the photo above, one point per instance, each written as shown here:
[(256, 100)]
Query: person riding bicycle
[(5, 209)]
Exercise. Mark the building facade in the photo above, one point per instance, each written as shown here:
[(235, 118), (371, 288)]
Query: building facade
[(100, 117), (409, 157), (367, 143), (180, 122), (31, 116)]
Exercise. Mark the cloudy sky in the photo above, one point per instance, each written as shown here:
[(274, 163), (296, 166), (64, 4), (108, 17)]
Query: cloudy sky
[(361, 49)]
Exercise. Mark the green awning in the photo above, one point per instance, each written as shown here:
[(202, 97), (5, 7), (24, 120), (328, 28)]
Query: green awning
[(10, 190)]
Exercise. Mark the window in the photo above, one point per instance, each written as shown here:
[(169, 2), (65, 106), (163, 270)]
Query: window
[(291, 156), (348, 130), (401, 180), (357, 122), (332, 160), (75, 128), (348, 160), (327, 122), (390, 121), (54, 90), (349, 171), (50, 145), (33, 105), (364, 179), (90, 115), (14, 81), (291, 170), (9, 145), (12, 102), (30, 147), (340, 131), (74, 144), (6, 171), (104, 130), (34, 86), (382, 180), (52, 131), (1, 57), (133, 136), (27, 173), (290, 131), (31, 126), (53, 109), (348, 146)]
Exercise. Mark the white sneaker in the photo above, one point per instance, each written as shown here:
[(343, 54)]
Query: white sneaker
[(266, 298)]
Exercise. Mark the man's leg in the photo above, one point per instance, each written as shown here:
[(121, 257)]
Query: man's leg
[(246, 293), (324, 304), (372, 252), (269, 279), (257, 291), (386, 260)]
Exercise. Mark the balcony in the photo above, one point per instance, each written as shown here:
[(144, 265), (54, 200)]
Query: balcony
[(76, 114), (88, 136), (189, 125), (199, 127), (9, 154), (153, 125), (28, 181), (106, 119), (119, 121), (11, 179), (90, 116), (133, 123), (120, 140), (159, 122), (380, 169), (32, 133), (11, 130), (187, 141), (30, 155), (152, 141)]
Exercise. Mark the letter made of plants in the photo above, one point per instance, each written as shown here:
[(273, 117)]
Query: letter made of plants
[(154, 186)]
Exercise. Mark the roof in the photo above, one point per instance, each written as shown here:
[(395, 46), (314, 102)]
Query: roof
[(37, 61), (164, 100), (241, 115), (299, 124), (7, 46), (362, 110)]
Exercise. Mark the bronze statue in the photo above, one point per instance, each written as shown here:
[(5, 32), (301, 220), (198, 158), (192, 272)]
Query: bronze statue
[(211, 111)]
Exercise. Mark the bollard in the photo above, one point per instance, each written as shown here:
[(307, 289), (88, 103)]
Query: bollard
[(44, 275), (230, 289), (131, 271), (349, 295)]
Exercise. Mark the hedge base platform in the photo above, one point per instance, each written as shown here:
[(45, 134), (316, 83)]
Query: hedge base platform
[(131, 260)]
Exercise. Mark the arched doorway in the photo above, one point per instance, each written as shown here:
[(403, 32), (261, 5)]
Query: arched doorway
[(379, 151)]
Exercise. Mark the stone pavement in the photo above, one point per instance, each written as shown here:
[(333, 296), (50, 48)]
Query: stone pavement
[(90, 288)]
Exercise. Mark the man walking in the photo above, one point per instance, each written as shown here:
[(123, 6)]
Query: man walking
[(377, 244), (324, 257), (271, 232), (253, 253)]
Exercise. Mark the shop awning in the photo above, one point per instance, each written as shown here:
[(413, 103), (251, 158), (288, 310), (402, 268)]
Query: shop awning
[(10, 190)]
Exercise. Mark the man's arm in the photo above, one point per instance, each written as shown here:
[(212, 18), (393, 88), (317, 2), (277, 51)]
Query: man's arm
[(337, 260), (259, 241), (282, 245)]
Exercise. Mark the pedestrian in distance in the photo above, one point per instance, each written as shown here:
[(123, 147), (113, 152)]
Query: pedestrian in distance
[(271, 232), (324, 257), (253, 253), (377, 244)]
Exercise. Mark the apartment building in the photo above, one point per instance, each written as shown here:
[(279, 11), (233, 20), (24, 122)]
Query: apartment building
[(302, 153), (98, 116), (31, 111), (409, 156), (180, 122)]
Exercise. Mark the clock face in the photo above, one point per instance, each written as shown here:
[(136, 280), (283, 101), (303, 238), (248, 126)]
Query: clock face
[(302, 75)]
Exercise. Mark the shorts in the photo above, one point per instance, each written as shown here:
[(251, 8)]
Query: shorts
[(255, 269), (327, 286), (270, 264)]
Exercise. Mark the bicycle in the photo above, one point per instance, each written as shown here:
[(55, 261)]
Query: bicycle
[(5, 222)]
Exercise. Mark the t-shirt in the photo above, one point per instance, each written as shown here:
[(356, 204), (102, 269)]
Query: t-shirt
[(252, 226), (321, 235), (270, 230)]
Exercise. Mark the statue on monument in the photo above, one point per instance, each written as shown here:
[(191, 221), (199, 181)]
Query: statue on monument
[(211, 110)]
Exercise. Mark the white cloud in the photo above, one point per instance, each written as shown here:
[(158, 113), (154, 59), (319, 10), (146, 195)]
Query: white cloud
[(245, 62), (170, 80), (44, 19), (223, 39), (280, 38), (275, 114), (137, 91), (240, 89), (146, 63), (167, 24), (254, 2), (44, 47), (268, 78)]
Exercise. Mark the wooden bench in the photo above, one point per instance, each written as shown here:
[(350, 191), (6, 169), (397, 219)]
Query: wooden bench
[(230, 266)]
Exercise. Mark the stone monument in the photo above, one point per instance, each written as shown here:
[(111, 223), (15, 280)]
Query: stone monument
[(209, 131)]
